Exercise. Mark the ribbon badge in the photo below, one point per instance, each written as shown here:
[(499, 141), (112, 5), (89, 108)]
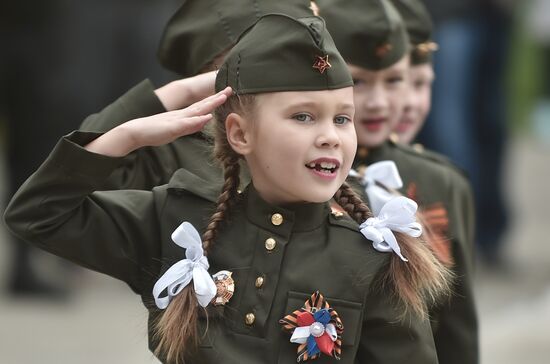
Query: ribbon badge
[(397, 215), (317, 329), (194, 267)]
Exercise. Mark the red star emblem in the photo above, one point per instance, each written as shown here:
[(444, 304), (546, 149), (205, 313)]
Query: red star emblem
[(322, 64), (383, 49)]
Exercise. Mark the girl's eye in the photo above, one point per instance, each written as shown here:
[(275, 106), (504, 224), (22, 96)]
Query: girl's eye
[(341, 120), (395, 80), (419, 84), (357, 82), (303, 118)]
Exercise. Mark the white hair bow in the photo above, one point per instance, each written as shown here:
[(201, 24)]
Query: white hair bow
[(398, 215), (386, 174), (180, 274)]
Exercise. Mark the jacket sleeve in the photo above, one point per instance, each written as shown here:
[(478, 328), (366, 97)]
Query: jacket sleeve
[(146, 167), (114, 232), (388, 339), (140, 101)]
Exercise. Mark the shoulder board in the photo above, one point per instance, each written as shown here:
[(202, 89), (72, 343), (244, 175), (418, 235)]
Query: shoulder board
[(427, 154), (183, 179), (343, 220)]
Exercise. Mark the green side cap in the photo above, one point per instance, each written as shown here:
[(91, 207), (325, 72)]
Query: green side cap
[(368, 33), (201, 30), (420, 27), (280, 53)]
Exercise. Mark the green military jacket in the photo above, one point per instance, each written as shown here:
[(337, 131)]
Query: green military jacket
[(443, 193), (126, 234), (445, 201)]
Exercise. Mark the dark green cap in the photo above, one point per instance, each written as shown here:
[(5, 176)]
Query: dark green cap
[(368, 33), (419, 26), (201, 30), (280, 53)]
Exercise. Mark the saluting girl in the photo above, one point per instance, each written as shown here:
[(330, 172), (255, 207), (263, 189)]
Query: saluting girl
[(280, 277)]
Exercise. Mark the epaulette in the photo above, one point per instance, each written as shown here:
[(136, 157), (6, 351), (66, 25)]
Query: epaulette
[(183, 179), (420, 151), (341, 219)]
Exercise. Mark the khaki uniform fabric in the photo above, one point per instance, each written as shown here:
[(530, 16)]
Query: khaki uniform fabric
[(438, 187), (126, 234)]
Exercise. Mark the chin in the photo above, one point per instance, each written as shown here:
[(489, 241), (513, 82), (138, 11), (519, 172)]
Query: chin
[(321, 196), (370, 141)]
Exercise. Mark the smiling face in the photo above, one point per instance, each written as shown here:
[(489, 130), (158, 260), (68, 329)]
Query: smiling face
[(417, 102), (299, 146), (379, 98)]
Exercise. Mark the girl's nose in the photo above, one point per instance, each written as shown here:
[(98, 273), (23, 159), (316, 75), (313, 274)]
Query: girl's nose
[(328, 136)]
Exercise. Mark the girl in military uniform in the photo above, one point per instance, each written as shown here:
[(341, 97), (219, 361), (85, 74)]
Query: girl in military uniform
[(372, 37), (444, 195), (421, 74), (293, 280)]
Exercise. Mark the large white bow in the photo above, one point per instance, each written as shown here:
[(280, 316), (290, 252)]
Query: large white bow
[(385, 173), (398, 215), (194, 267)]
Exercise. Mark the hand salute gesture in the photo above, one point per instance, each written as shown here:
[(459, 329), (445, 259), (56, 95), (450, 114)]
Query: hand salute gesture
[(158, 129)]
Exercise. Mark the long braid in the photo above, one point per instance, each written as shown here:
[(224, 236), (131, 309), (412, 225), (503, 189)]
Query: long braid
[(176, 330), (226, 199), (418, 283), (352, 203)]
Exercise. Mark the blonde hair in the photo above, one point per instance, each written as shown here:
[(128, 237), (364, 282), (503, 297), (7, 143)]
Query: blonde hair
[(420, 280)]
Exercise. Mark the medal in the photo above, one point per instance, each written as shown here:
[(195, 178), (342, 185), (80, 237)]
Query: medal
[(225, 287)]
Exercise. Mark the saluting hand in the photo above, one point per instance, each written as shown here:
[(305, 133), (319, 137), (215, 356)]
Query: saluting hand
[(158, 129), (182, 93)]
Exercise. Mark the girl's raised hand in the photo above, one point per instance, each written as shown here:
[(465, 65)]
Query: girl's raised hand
[(158, 129), (182, 93)]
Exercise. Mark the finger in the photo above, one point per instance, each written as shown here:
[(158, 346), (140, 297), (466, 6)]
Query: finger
[(208, 104), (205, 106), (195, 124)]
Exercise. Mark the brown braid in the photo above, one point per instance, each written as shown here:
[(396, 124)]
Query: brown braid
[(352, 203), (176, 329), (226, 199), (416, 284)]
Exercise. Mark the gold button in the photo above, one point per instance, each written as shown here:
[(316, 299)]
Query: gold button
[(249, 319), (270, 244), (259, 282), (337, 213), (362, 152), (394, 137), (276, 219), (419, 148)]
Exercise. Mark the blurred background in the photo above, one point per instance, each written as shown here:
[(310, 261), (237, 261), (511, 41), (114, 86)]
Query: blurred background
[(62, 60)]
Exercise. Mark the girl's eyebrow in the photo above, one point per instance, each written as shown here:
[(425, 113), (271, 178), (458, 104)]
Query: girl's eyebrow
[(298, 104)]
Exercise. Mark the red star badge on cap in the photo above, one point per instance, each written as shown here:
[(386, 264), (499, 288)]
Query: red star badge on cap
[(322, 64), (383, 49)]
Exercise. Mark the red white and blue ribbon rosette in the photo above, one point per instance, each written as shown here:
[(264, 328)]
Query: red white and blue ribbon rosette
[(317, 329)]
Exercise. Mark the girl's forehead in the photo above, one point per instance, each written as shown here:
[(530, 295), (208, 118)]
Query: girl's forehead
[(342, 97)]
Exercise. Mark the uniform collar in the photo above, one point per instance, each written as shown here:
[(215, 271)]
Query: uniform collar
[(291, 218), (367, 156)]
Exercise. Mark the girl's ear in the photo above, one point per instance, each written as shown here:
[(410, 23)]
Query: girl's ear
[(239, 133)]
